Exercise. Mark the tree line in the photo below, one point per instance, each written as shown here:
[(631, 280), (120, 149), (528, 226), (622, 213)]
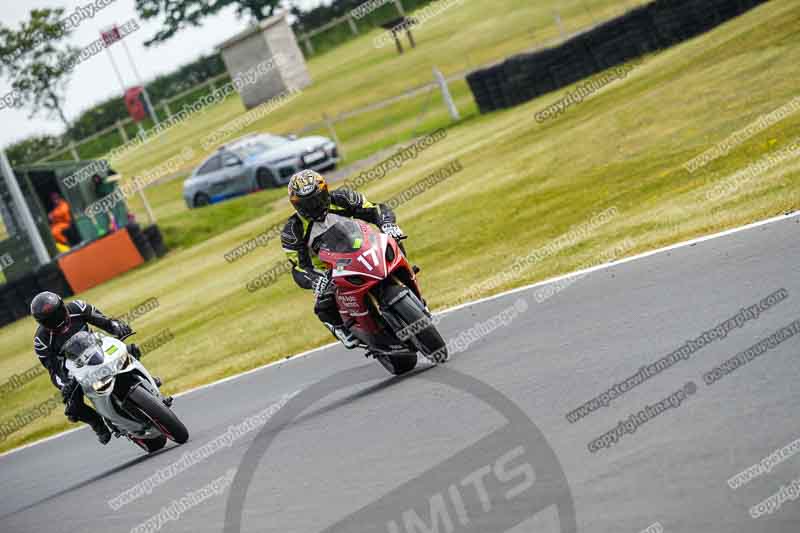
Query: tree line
[(33, 55)]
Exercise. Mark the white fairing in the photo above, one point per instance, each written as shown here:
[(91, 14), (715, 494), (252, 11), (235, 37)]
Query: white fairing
[(116, 361)]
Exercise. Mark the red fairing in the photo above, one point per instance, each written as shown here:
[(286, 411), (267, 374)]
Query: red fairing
[(356, 272)]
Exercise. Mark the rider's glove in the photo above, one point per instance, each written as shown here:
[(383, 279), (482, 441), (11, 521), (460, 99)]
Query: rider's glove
[(120, 329), (320, 285), (67, 390), (393, 230)]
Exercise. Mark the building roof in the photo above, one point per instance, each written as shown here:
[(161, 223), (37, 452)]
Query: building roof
[(254, 28)]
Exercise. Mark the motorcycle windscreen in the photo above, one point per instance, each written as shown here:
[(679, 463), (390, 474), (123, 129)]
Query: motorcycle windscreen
[(342, 236), (84, 349)]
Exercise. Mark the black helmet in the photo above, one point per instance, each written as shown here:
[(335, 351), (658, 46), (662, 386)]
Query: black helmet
[(309, 194), (50, 311)]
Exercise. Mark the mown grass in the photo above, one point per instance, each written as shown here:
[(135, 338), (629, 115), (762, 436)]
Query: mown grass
[(183, 230), (401, 121), (523, 185), (356, 74)]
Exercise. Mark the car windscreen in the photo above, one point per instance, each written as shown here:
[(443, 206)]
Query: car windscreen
[(259, 145), (252, 149), (272, 141)]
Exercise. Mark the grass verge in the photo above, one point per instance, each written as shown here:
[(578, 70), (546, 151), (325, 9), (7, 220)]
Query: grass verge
[(522, 186)]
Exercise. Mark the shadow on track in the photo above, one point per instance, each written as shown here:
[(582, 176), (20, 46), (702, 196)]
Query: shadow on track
[(379, 372), (371, 369), (103, 475)]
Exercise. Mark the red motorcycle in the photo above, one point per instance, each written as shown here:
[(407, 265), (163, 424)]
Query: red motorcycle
[(377, 294)]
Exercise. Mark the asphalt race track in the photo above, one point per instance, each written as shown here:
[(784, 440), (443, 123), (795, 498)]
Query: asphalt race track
[(483, 444)]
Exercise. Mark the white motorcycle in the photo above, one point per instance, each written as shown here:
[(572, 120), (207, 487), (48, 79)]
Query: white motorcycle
[(122, 391)]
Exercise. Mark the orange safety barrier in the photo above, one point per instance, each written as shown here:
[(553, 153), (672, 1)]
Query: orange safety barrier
[(100, 261)]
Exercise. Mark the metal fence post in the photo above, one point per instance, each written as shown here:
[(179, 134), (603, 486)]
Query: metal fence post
[(307, 42), (332, 131), (352, 23), (560, 25), (448, 99), (122, 132), (147, 208), (21, 207), (74, 151), (167, 110)]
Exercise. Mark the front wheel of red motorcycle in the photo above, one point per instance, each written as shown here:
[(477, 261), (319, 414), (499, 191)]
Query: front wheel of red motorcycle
[(410, 310)]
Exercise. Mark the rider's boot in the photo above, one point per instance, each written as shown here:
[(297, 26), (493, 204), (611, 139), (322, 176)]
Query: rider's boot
[(114, 429), (102, 432), (77, 410), (343, 335)]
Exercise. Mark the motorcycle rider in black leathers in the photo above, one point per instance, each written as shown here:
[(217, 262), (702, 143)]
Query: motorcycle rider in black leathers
[(58, 322), (308, 193)]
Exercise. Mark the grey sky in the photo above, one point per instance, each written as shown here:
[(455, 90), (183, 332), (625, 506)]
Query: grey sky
[(94, 80)]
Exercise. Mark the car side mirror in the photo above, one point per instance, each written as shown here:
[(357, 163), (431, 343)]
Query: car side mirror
[(232, 162), (292, 137)]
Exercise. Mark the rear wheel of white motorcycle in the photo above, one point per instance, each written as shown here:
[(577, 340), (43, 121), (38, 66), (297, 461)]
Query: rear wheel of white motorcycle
[(410, 310), (159, 414)]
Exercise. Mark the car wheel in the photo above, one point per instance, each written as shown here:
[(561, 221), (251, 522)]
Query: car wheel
[(201, 199), (265, 179)]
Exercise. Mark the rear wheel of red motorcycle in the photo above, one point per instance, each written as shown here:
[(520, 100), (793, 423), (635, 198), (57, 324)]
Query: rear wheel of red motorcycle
[(410, 310)]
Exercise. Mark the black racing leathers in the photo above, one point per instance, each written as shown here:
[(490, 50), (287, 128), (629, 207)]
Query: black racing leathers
[(305, 265), (48, 345), (294, 237)]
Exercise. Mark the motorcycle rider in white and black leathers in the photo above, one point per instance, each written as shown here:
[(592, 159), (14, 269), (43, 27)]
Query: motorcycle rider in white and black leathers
[(58, 322)]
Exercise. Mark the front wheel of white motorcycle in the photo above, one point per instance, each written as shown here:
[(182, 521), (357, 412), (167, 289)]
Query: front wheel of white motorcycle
[(150, 445), (159, 414)]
